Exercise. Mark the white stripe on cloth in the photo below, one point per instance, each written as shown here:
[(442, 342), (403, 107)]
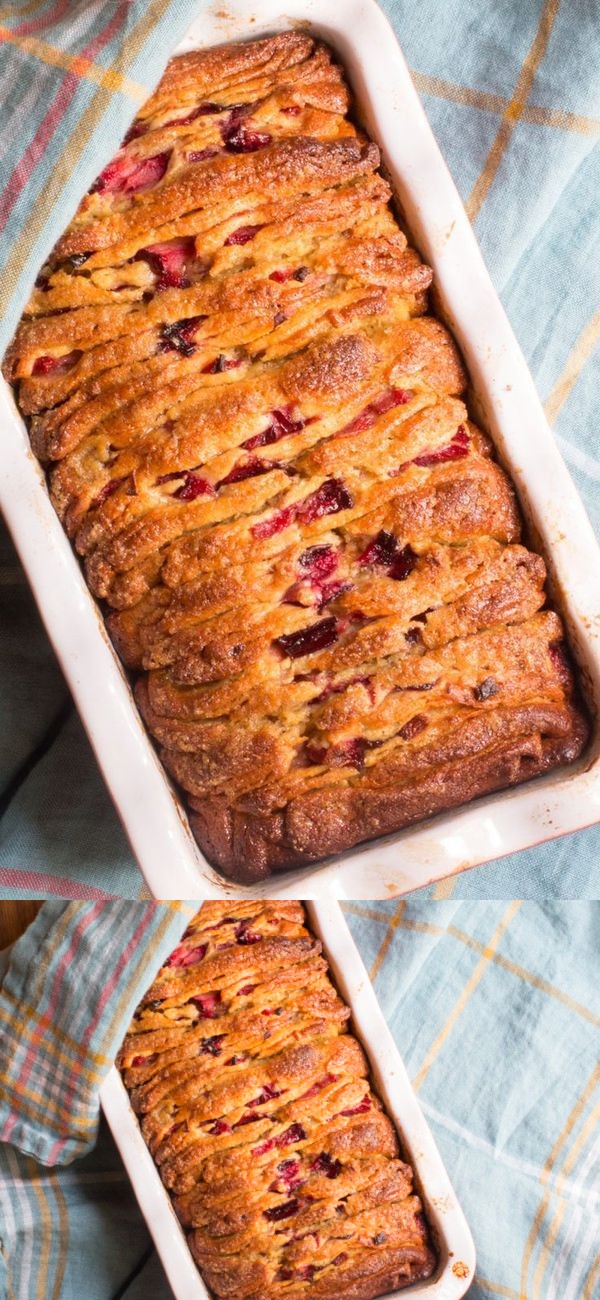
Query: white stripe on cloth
[(571, 1188), (580, 459)]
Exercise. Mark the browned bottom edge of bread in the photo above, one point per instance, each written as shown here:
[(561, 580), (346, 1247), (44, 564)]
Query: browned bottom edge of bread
[(249, 847)]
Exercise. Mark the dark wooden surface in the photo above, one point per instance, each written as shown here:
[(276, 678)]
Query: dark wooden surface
[(15, 916)]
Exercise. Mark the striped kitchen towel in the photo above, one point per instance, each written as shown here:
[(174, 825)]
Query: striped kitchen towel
[(72, 984), (496, 1010), (72, 76)]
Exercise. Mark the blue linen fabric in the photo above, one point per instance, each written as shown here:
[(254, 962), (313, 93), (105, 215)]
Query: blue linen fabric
[(513, 95), (495, 1007)]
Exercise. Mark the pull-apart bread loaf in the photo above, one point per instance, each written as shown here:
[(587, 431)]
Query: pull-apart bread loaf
[(256, 438), (255, 1103)]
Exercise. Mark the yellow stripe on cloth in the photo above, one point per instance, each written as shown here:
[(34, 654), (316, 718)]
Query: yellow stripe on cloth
[(29, 1024), (588, 1130), (495, 1287), (558, 118), (593, 1277), (579, 356), (548, 1167), (514, 109), (393, 923), (78, 64), (77, 145), (467, 992)]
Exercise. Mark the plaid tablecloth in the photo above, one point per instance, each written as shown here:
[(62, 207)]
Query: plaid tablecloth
[(513, 94), (496, 1010)]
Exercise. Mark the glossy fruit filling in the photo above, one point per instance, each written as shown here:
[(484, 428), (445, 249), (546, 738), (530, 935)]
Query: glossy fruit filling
[(128, 175), (243, 235), (169, 261), (379, 406), (331, 497), (56, 365), (308, 639), (209, 1005), (180, 336), (183, 956)]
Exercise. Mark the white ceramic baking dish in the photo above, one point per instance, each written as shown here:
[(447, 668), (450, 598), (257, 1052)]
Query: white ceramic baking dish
[(454, 1243), (503, 393)]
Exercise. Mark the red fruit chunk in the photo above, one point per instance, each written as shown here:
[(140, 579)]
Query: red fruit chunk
[(187, 956), (361, 1109), (295, 1133), (394, 397), (107, 491), (384, 550), (292, 109), (135, 131), (403, 564), (220, 364), (268, 527), (168, 261), (330, 591), (379, 406), (264, 1147), (321, 1083), (268, 1093), (244, 935), (199, 155), (128, 175), (381, 550), (201, 111), (247, 469), (307, 1272), (282, 1211), (243, 235), (288, 1171), (247, 1119), (56, 365), (325, 1164), (454, 450), (220, 1126), (318, 562), (175, 1128), (330, 497), (145, 1060), (284, 1275), (413, 728), (194, 486), (340, 1259), (351, 754), (179, 336), (308, 639), (241, 139), (281, 426), (208, 1005), (245, 990), (560, 662), (281, 277), (486, 689), (212, 1046), (334, 689)]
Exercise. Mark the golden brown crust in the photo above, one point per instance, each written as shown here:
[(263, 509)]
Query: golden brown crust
[(254, 1100), (259, 445)]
